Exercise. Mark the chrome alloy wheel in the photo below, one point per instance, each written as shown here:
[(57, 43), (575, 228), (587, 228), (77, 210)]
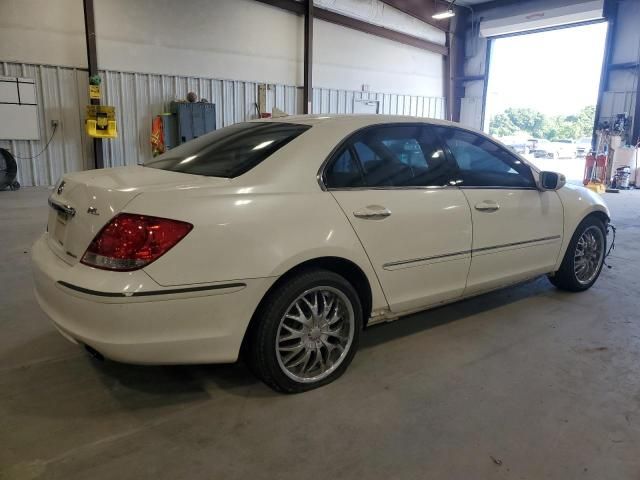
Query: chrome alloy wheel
[(588, 255), (315, 334)]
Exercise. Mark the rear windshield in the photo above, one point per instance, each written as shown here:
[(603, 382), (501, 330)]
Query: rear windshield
[(230, 151)]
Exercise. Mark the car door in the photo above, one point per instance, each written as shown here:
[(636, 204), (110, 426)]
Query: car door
[(393, 184), (517, 229)]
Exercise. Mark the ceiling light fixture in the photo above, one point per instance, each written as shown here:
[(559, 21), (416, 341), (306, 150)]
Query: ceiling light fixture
[(446, 14)]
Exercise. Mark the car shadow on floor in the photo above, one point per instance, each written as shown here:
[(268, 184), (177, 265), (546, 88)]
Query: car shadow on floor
[(428, 319), (234, 378), (114, 386), (237, 378)]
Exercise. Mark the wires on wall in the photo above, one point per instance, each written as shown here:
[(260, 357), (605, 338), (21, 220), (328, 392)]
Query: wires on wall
[(55, 128)]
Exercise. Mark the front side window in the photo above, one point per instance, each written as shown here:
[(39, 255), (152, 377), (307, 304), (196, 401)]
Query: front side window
[(483, 163), (230, 151), (393, 156)]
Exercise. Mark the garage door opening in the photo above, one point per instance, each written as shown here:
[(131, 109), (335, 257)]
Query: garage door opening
[(542, 92)]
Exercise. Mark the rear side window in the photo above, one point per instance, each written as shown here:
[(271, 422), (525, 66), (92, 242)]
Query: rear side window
[(344, 171), (391, 156), (230, 151), (483, 163)]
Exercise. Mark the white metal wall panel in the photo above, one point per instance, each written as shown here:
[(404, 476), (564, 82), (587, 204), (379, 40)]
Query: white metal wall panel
[(614, 103), (138, 97), (330, 101), (471, 112), (59, 91)]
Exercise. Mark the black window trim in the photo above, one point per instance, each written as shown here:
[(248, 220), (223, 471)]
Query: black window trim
[(338, 149), (515, 158)]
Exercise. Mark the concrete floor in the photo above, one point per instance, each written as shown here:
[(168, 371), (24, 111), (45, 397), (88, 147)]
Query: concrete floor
[(525, 383)]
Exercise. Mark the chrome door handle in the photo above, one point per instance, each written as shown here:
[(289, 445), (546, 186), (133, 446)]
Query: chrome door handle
[(372, 214), (487, 206)]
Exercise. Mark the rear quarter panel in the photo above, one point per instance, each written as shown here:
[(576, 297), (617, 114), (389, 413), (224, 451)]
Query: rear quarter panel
[(577, 202), (240, 235)]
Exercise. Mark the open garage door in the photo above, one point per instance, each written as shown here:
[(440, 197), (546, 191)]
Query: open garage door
[(542, 94)]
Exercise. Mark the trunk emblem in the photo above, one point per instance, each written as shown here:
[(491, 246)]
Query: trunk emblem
[(92, 211), (61, 187)]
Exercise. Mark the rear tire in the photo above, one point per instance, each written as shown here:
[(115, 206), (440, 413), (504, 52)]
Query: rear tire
[(584, 258), (306, 332)]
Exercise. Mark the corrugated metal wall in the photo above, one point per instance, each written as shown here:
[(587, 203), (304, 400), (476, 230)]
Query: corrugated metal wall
[(62, 95), (139, 97), (614, 103), (328, 101)]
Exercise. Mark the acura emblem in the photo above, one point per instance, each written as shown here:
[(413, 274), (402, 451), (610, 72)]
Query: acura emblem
[(61, 187)]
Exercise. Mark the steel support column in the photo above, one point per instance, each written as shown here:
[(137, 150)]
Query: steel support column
[(610, 11), (307, 95), (455, 62), (635, 132), (92, 61)]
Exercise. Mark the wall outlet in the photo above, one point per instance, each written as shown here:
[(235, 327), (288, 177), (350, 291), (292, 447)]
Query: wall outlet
[(55, 123)]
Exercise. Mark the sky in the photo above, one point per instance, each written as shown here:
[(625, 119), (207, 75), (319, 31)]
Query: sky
[(555, 72)]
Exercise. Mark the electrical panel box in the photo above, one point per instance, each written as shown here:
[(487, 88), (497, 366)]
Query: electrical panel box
[(18, 109), (170, 129), (193, 119), (101, 121)]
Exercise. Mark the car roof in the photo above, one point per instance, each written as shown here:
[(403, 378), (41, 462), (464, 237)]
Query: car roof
[(356, 120)]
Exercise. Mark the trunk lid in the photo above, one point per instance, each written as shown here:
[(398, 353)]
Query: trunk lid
[(83, 202)]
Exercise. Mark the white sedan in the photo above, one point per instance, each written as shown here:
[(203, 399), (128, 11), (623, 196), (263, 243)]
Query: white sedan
[(556, 149), (282, 239)]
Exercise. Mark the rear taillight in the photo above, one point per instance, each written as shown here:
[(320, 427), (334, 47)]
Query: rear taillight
[(131, 241)]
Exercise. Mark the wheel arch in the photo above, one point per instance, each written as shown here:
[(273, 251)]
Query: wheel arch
[(343, 267), (598, 213)]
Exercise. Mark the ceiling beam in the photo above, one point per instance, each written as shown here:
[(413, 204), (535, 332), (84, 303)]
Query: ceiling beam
[(359, 25), (355, 24), (423, 10), (289, 5), (483, 7)]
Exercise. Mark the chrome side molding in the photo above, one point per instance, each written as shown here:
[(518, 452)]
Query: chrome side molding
[(62, 208)]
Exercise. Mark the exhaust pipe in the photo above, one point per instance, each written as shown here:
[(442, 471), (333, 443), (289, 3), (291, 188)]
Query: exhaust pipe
[(94, 353)]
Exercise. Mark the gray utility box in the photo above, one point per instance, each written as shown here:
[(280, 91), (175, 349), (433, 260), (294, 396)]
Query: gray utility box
[(170, 130), (193, 119)]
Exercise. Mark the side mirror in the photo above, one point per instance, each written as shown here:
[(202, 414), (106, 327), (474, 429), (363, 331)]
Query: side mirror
[(551, 181)]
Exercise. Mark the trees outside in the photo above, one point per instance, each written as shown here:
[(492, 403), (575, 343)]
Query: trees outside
[(538, 125)]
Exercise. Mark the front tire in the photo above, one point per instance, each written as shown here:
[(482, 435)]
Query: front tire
[(306, 332), (584, 258)]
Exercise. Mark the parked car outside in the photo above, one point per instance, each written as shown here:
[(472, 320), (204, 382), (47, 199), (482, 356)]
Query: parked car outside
[(279, 240), (533, 143), (583, 146), (554, 149), (566, 148), (516, 144), (543, 148)]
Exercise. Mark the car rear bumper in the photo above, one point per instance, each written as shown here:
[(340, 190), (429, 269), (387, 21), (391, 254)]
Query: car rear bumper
[(151, 325)]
